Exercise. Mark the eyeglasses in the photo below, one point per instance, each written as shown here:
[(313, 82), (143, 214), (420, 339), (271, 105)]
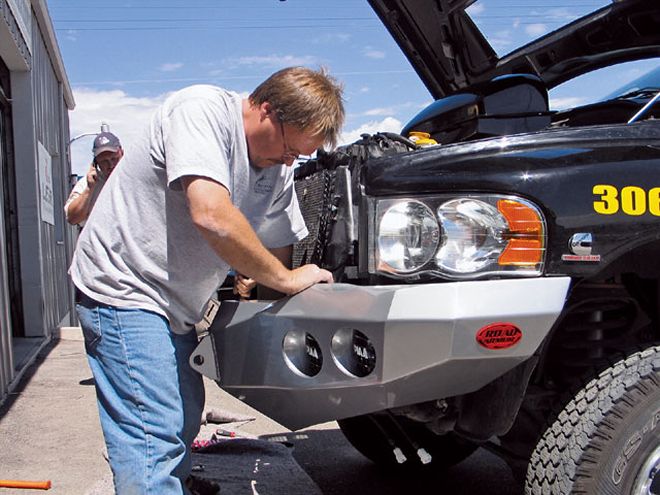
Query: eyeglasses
[(289, 154)]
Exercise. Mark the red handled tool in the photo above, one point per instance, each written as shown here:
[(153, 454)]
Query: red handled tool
[(35, 485)]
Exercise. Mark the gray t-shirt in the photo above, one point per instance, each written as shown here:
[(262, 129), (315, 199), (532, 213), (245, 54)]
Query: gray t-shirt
[(140, 248)]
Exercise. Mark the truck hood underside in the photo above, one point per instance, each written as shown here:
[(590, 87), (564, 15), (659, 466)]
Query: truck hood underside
[(450, 53)]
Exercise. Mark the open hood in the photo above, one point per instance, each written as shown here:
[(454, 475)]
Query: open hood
[(450, 53)]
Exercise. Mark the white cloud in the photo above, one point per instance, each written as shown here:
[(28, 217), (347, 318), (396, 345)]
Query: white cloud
[(561, 14), (501, 41), (332, 38), (170, 67), (475, 9), (272, 61), (388, 124), (536, 29), (567, 102), (370, 52), (374, 112), (71, 35), (126, 115)]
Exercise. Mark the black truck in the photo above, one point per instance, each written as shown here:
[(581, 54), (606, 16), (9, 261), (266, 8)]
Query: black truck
[(497, 267)]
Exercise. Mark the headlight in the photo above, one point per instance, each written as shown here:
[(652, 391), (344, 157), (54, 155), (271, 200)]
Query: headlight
[(408, 237), (472, 235), (458, 238)]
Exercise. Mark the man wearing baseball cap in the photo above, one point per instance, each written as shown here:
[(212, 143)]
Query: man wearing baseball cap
[(107, 152)]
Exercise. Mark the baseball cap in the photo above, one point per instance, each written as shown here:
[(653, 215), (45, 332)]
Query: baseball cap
[(106, 141)]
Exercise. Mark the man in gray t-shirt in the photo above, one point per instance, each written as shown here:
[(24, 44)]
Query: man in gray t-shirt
[(208, 187)]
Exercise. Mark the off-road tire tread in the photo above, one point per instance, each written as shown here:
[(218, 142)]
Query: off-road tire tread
[(567, 453)]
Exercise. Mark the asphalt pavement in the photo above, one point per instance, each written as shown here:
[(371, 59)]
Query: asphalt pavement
[(49, 431)]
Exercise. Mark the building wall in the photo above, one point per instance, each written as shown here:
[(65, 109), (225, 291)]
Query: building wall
[(36, 243), (6, 353), (51, 130)]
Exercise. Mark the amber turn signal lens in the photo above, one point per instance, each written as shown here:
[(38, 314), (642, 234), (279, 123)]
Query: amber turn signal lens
[(525, 236)]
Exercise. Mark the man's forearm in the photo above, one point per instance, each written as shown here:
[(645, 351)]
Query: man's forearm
[(230, 235), (237, 244), (284, 254), (78, 209)]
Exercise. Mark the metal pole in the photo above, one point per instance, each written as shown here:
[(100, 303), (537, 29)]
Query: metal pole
[(644, 108), (105, 127)]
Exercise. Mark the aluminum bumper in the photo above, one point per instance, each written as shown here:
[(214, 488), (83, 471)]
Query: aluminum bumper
[(335, 351)]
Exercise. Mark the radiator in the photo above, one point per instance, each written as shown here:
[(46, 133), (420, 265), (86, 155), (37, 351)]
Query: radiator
[(315, 194)]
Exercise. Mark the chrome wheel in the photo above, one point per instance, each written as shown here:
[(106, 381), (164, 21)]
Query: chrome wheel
[(648, 479)]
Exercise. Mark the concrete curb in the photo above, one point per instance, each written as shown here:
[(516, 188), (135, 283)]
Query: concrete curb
[(68, 333)]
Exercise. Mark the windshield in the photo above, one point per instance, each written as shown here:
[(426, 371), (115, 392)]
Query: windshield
[(606, 83), (649, 81)]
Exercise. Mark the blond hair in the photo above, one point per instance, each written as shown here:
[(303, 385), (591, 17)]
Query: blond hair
[(304, 98)]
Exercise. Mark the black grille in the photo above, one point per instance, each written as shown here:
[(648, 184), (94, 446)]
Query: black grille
[(315, 197), (322, 185)]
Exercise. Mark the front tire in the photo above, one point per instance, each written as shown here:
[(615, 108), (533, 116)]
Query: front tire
[(606, 441)]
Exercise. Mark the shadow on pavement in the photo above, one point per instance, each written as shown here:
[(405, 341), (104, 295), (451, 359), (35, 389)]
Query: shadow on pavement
[(249, 466), (28, 374), (338, 469)]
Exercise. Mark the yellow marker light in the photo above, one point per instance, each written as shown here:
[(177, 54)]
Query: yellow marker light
[(525, 236)]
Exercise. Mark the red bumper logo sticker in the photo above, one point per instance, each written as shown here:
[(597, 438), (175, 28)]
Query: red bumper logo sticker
[(499, 336)]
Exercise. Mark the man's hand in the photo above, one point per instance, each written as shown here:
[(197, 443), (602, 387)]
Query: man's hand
[(301, 278), (92, 176), (243, 285), (77, 207), (306, 276)]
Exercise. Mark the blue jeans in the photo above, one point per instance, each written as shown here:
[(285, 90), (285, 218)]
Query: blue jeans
[(150, 400)]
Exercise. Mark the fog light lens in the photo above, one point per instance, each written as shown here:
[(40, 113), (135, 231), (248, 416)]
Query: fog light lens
[(302, 353), (353, 352)]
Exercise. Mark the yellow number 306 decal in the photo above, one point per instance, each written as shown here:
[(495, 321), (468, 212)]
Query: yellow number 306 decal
[(631, 200)]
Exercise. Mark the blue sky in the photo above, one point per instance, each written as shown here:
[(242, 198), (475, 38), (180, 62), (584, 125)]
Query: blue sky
[(124, 57)]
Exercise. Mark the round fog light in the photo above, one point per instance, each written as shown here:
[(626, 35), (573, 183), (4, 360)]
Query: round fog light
[(353, 352), (302, 353)]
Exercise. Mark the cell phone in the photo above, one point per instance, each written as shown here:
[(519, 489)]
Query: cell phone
[(99, 172)]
